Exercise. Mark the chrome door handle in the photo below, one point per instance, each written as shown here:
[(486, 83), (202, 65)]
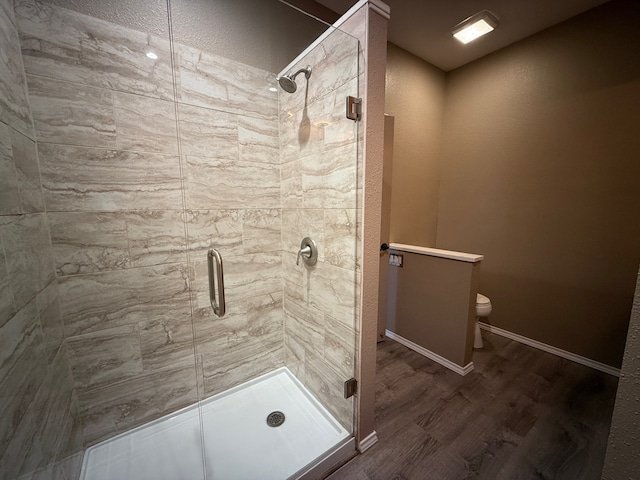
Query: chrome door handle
[(220, 307)]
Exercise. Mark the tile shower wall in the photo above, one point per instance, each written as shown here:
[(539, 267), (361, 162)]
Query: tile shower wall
[(228, 123), (133, 210), (318, 153), (39, 433)]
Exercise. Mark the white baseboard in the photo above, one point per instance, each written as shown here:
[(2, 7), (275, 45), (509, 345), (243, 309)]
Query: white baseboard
[(367, 442), (429, 354), (550, 349)]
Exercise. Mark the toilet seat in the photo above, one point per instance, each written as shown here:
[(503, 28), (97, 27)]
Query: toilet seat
[(483, 309), (482, 300)]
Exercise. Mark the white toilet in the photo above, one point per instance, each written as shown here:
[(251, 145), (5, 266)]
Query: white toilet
[(483, 309)]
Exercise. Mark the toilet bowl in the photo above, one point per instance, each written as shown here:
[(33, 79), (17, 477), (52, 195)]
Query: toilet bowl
[(483, 309)]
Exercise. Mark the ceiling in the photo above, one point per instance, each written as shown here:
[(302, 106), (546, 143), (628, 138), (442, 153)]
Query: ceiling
[(423, 27)]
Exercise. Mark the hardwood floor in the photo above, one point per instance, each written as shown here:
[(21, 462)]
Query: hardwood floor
[(521, 414)]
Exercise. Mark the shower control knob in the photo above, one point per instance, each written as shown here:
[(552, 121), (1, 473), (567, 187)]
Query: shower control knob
[(308, 252)]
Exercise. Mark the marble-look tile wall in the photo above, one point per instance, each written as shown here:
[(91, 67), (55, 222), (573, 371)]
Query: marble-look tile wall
[(39, 425), (139, 180), (318, 154)]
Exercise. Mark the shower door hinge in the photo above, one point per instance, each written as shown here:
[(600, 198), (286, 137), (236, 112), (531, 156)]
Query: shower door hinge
[(350, 387), (354, 108)]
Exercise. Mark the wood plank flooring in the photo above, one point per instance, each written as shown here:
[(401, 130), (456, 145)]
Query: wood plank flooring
[(521, 414)]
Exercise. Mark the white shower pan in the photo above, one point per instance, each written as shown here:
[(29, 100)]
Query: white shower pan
[(236, 442)]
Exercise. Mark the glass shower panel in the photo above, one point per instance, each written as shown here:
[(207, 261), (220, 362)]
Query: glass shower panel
[(132, 141), (264, 169), (103, 295)]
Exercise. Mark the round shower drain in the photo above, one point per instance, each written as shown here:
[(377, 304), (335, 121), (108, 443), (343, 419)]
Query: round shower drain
[(275, 419)]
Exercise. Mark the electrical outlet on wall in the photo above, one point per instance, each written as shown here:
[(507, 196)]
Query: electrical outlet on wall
[(395, 259)]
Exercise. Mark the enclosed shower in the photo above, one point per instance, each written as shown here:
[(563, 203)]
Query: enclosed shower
[(134, 140)]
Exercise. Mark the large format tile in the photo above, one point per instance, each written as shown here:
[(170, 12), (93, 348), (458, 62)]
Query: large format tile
[(14, 106), (339, 346), (261, 230), (113, 408), (265, 320), (24, 452), (258, 140), (23, 365), (334, 62), (220, 229), (328, 386), (208, 133), (67, 45), (294, 354), (48, 302), (106, 355), (233, 361), (51, 409), (7, 303), (341, 236), (29, 257), (156, 237), (245, 277), (9, 192), (145, 124), (302, 133), (215, 82), (305, 324), (90, 179), (332, 291), (329, 178), (300, 223), (20, 189), (72, 114), (241, 345), (166, 341), (25, 158), (320, 126), (295, 278), (231, 184), (104, 300), (89, 242), (291, 184)]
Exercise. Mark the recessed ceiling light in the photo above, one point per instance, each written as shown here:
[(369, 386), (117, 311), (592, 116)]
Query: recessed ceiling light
[(152, 55), (475, 26), (273, 89)]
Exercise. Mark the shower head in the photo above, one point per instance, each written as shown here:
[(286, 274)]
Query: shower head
[(288, 82)]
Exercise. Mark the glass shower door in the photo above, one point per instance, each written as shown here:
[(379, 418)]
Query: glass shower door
[(101, 337), (263, 169)]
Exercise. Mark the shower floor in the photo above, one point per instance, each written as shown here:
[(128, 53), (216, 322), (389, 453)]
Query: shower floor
[(238, 443)]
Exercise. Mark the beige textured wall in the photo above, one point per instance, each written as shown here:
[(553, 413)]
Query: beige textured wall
[(415, 97), (621, 461), (430, 304), (278, 32), (539, 174)]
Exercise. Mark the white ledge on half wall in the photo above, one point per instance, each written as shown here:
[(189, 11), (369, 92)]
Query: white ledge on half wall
[(436, 252)]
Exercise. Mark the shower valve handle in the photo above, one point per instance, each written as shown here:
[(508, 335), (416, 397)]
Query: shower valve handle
[(305, 252), (308, 251)]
